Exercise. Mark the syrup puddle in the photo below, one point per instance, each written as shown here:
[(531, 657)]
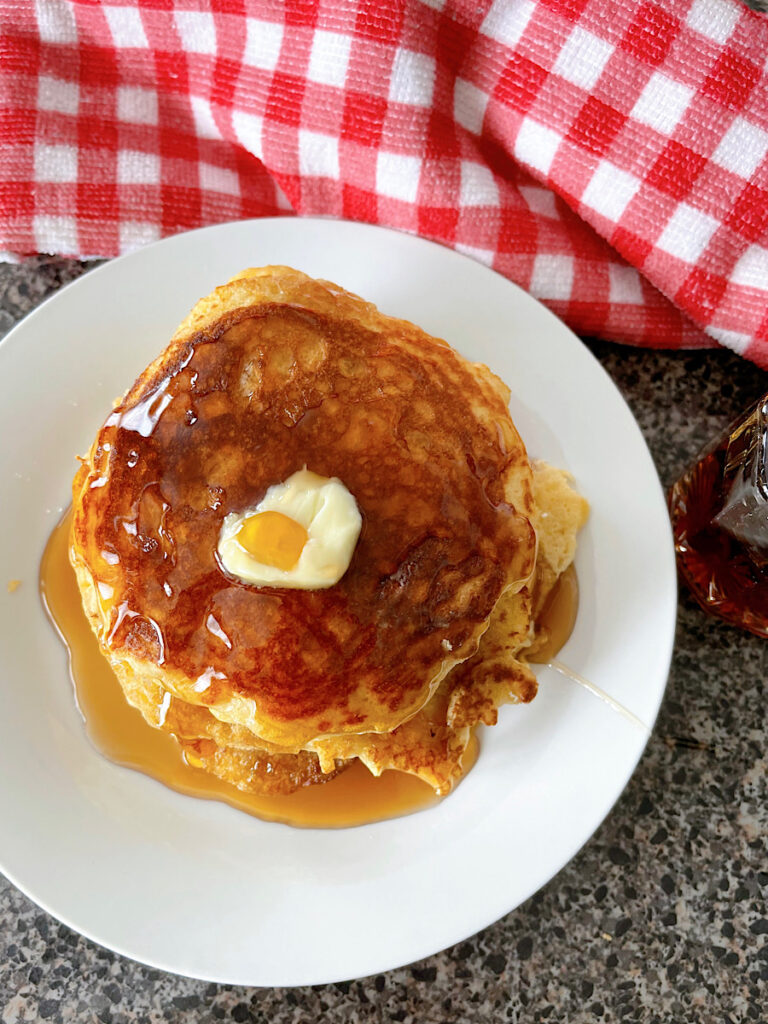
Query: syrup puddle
[(119, 732), (355, 797)]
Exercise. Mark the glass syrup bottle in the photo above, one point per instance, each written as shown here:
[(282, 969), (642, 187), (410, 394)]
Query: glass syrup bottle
[(719, 512)]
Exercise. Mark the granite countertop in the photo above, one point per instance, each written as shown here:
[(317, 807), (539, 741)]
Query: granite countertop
[(661, 917)]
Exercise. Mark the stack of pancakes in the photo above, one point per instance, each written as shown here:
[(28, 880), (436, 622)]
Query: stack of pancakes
[(426, 633)]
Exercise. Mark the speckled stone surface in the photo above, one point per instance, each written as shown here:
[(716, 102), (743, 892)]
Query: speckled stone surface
[(661, 918)]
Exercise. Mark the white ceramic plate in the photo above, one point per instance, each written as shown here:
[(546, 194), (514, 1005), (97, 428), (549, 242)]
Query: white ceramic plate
[(195, 887)]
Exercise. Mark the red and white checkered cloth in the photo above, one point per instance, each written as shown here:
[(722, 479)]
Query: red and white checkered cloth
[(608, 155)]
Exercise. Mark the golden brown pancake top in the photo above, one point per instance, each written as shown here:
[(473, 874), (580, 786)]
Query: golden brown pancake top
[(242, 404)]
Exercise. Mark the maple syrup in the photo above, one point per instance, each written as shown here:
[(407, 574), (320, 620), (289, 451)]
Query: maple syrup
[(118, 731), (719, 512), (556, 620)]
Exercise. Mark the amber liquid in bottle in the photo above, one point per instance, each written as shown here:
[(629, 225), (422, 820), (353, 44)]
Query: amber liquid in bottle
[(719, 511)]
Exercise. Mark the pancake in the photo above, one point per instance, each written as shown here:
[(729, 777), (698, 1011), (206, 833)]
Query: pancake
[(499, 672), (272, 373), (227, 751), (433, 743)]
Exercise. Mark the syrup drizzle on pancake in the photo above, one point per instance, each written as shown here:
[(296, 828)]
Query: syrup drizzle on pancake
[(205, 431)]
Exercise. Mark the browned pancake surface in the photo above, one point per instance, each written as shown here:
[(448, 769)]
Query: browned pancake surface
[(420, 437)]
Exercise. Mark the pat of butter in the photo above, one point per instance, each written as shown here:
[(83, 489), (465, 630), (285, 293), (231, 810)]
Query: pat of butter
[(324, 508)]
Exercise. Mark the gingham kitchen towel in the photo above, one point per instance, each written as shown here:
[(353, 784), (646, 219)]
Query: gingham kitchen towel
[(608, 155)]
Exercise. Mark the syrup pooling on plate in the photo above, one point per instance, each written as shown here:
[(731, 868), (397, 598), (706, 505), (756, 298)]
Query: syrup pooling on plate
[(203, 438), (557, 618), (120, 733)]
